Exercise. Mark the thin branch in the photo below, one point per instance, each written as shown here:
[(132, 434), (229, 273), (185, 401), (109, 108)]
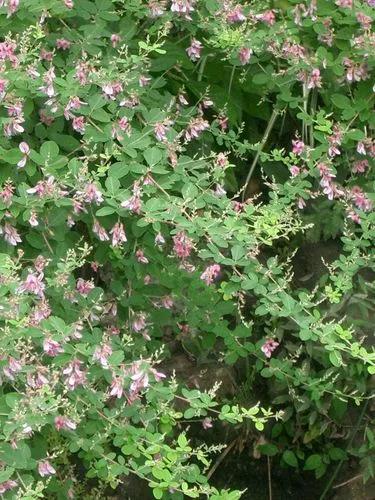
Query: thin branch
[(262, 143)]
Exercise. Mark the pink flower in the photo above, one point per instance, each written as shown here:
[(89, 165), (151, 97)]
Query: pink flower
[(102, 354), (244, 55), (7, 193), (33, 284), (46, 55), (140, 381), (156, 7), (25, 150), (301, 203), (45, 468), (359, 167), (210, 274), (167, 302), (159, 239), (298, 147), (314, 80), (75, 376), (12, 6), (115, 40), (365, 21), (12, 368), (207, 423), (221, 160), (118, 234), (64, 423), (144, 81), (84, 287), (354, 216), (269, 346), (10, 234), (134, 203), (355, 72), (360, 199), (267, 17), (63, 44), (92, 194), (100, 231), (236, 15), (79, 124), (139, 322), (140, 256), (183, 245), (39, 379), (69, 4), (40, 312), (345, 4), (160, 130), (183, 8), (194, 51), (51, 347), (116, 388), (73, 103), (7, 485), (195, 128), (294, 170)]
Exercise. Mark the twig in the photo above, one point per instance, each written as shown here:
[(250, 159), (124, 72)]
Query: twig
[(231, 80), (347, 482), (269, 478), (221, 458), (339, 465), (262, 143)]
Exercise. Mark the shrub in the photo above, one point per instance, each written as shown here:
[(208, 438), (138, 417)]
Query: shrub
[(132, 133)]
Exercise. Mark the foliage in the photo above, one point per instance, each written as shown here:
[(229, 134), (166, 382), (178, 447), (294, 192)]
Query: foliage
[(128, 225)]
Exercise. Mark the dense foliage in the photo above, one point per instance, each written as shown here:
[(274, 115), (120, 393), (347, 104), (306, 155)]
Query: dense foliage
[(164, 164)]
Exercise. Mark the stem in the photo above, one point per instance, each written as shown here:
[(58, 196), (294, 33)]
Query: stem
[(201, 68), (339, 465), (231, 80), (269, 478), (262, 143)]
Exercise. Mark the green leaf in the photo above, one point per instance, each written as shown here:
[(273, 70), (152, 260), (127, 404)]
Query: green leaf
[(290, 458), (341, 101), (337, 453), (157, 492), (6, 474), (313, 462), (105, 211), (268, 449), (335, 358), (238, 252), (153, 156), (189, 191), (49, 150), (182, 441)]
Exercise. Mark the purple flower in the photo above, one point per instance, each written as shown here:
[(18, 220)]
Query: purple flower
[(10, 234), (269, 346), (33, 284), (51, 347), (210, 274), (118, 234), (244, 55), (45, 468), (183, 8), (7, 485), (64, 423), (75, 376), (194, 51), (298, 147)]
